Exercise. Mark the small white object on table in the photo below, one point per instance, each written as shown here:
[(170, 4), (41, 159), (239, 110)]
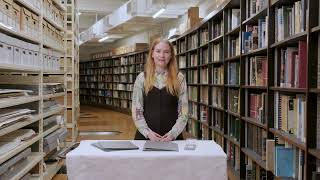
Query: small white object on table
[(207, 162)]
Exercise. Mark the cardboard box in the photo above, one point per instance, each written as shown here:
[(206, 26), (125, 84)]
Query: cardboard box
[(192, 17), (17, 56), (16, 12), (24, 57), (35, 25), (2, 46), (25, 21), (36, 59), (7, 17), (8, 53)]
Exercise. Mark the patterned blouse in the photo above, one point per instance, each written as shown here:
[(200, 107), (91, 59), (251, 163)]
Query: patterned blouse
[(137, 103)]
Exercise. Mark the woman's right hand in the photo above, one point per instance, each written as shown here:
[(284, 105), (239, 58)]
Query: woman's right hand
[(153, 136)]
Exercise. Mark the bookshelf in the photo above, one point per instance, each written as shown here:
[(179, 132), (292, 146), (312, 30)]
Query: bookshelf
[(253, 91), (72, 67), (108, 81), (32, 42), (252, 70)]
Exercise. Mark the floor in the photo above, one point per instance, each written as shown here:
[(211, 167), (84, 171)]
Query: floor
[(100, 123)]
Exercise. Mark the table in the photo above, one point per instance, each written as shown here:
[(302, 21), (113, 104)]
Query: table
[(208, 161)]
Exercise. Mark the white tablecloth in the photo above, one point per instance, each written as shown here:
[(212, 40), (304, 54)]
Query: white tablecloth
[(207, 162)]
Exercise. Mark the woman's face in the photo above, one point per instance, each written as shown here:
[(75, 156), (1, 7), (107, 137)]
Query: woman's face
[(161, 55)]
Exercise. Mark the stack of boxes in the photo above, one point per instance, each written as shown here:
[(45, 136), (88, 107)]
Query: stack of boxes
[(130, 48), (19, 19), (52, 36), (51, 60), (52, 12), (17, 52)]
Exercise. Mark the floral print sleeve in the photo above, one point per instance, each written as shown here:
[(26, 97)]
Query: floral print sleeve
[(182, 108), (137, 106), (138, 109)]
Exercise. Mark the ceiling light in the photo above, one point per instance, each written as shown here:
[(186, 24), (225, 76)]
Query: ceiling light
[(158, 13), (104, 38)]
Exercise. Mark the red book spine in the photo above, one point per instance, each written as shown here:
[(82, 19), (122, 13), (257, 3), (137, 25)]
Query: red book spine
[(303, 64)]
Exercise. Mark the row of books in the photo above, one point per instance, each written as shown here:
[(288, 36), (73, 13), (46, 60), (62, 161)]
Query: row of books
[(127, 60), (290, 114), (204, 56), (217, 97), (122, 94), (217, 51), (193, 93), (193, 110), (293, 66), (255, 36), (233, 155), (255, 6), (98, 78), (192, 77), (124, 78), (256, 140), (234, 73), (204, 94), (218, 75), (104, 85), (101, 71), (257, 107), (234, 128), (193, 41), (288, 161), (290, 20), (204, 75), (216, 120), (182, 62), (258, 71), (234, 100), (217, 28), (254, 171), (233, 46), (233, 18), (204, 36)]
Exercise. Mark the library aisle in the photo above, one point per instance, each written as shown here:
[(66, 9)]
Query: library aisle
[(251, 70), (101, 123)]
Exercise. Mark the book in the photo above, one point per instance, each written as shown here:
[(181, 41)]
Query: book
[(115, 145), (160, 146)]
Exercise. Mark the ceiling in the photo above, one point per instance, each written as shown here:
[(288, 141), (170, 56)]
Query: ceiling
[(94, 10)]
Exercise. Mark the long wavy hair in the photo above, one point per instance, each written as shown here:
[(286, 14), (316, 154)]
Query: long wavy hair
[(172, 83)]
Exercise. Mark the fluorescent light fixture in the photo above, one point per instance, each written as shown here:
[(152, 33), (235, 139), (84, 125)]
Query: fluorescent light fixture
[(158, 13), (104, 38)]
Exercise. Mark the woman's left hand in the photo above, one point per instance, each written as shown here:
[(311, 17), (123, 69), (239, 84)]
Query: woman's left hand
[(167, 137)]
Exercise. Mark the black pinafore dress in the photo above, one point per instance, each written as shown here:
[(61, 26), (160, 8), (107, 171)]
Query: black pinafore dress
[(160, 112)]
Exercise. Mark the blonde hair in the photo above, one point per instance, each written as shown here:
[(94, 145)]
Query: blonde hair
[(172, 83)]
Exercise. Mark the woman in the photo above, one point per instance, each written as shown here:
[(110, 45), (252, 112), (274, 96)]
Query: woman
[(160, 99)]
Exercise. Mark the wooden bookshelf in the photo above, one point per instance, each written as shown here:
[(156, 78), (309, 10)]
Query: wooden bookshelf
[(224, 45), (112, 91)]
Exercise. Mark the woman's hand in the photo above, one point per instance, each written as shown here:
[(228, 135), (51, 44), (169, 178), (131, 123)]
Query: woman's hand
[(153, 136), (167, 137)]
